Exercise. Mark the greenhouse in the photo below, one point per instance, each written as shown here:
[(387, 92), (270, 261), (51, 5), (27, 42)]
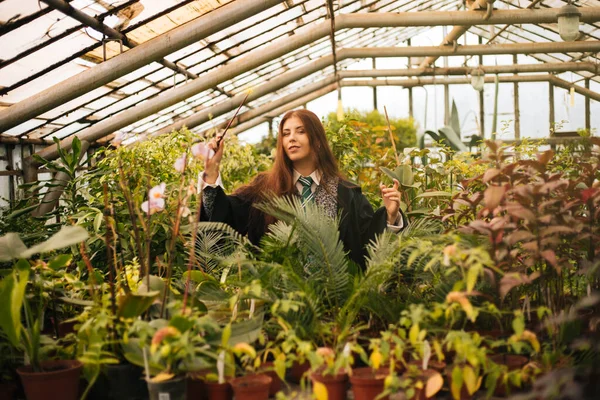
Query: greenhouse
[(299, 199)]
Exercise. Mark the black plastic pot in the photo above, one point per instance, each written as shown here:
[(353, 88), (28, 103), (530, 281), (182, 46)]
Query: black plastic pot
[(126, 382), (173, 389)]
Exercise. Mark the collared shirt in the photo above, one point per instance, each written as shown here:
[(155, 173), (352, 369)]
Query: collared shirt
[(316, 177)]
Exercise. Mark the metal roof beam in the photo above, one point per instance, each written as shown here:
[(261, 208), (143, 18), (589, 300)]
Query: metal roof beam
[(276, 50), (229, 14), (150, 51), (460, 30), (498, 69)]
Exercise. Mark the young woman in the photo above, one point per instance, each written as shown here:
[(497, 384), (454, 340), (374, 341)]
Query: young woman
[(304, 166)]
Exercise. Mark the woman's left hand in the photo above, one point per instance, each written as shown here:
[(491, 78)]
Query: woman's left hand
[(391, 201)]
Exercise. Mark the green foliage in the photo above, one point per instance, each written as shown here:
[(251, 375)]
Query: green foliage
[(361, 144)]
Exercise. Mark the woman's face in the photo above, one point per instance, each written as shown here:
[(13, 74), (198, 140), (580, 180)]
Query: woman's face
[(295, 140)]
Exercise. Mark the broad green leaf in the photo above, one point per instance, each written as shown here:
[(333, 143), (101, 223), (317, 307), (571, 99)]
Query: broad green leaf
[(11, 247), (12, 293), (60, 261), (22, 211), (226, 335), (389, 173), (405, 175), (132, 305), (436, 193), (67, 236), (98, 222), (518, 325), (181, 323)]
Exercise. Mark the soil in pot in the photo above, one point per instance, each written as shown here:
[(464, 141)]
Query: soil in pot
[(513, 362), (59, 380), (337, 385), (276, 382), (173, 389), (126, 382), (251, 387), (218, 391), (368, 384)]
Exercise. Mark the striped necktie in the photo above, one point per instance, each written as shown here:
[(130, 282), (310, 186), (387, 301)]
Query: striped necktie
[(307, 194)]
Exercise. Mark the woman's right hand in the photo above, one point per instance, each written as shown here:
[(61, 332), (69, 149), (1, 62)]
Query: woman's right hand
[(211, 165)]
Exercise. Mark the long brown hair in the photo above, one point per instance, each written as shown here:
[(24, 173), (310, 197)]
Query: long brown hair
[(279, 180)]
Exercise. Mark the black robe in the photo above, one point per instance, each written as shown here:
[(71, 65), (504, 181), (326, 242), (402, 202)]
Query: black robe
[(358, 225)]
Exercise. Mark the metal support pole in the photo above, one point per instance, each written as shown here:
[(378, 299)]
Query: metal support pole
[(374, 89), (481, 101), (551, 107), (446, 104), (588, 115), (30, 170), (516, 105), (411, 112), (59, 182), (11, 180)]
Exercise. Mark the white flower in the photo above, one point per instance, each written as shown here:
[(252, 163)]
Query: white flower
[(157, 192), (185, 211), (156, 201), (180, 163), (152, 206), (201, 150)]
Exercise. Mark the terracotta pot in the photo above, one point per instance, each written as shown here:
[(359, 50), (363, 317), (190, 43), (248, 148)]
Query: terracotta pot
[(59, 380), (366, 384), (337, 385), (276, 382), (196, 385), (513, 363), (173, 389), (218, 391), (425, 375), (298, 370), (251, 387), (126, 382), (7, 391)]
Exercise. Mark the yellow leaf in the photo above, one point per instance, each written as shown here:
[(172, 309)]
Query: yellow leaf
[(320, 391), (244, 348), (438, 350), (434, 385), (163, 376), (413, 334), (375, 359), (470, 379)]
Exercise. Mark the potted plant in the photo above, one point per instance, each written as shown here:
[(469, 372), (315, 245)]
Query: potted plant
[(252, 385), (19, 301), (170, 349)]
